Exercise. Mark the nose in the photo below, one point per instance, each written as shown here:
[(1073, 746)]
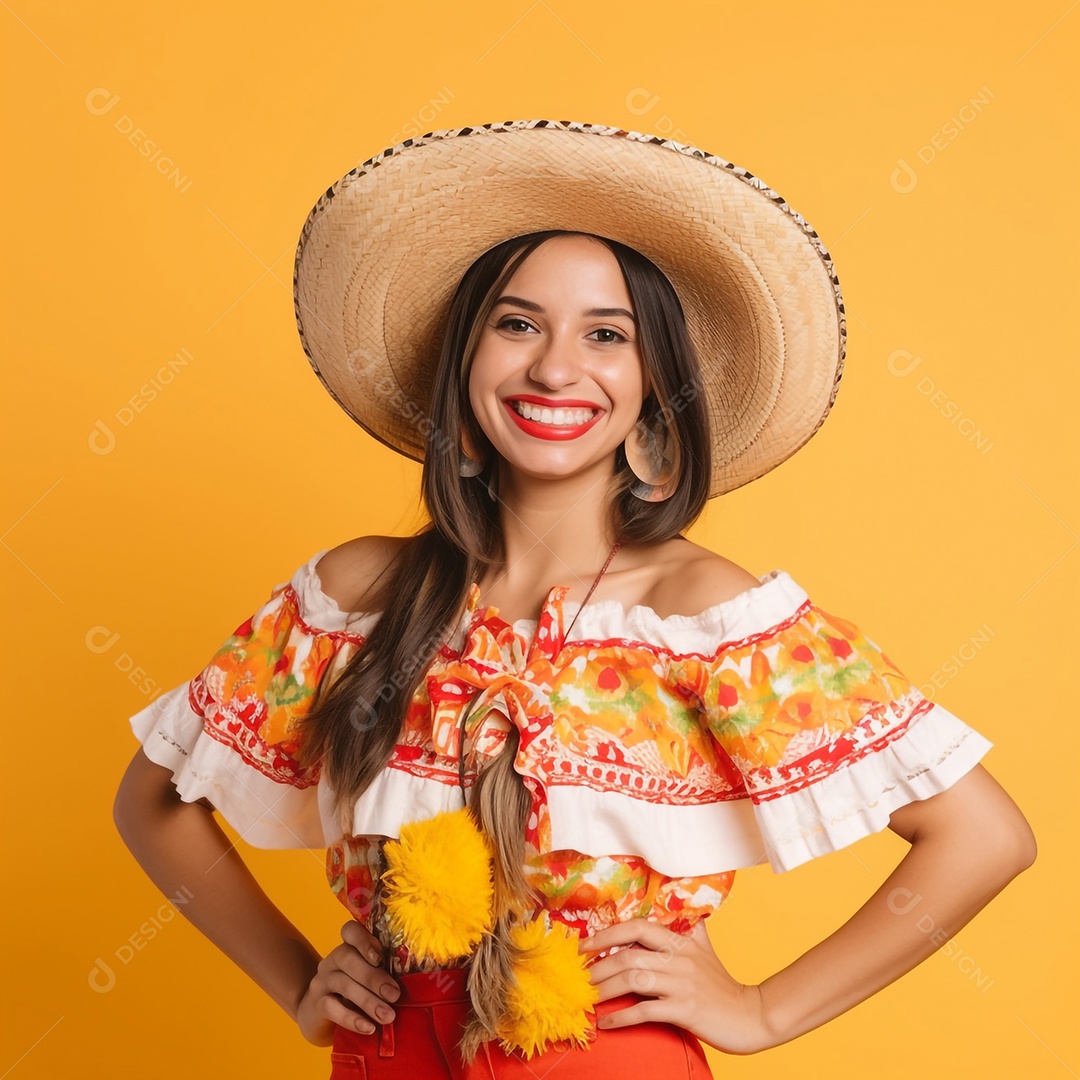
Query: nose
[(556, 362)]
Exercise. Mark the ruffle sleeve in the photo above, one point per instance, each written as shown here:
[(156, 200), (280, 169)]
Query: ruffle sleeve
[(827, 734), (229, 734)]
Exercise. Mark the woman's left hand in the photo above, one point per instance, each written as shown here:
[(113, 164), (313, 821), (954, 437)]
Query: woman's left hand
[(683, 975)]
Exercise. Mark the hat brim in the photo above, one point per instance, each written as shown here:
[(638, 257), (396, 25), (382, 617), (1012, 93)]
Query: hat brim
[(382, 251)]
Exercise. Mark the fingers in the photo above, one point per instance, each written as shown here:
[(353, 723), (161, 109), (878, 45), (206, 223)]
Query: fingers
[(370, 979), (370, 1004), (650, 934), (643, 1012), (647, 979), (344, 1016), (356, 934), (351, 988)]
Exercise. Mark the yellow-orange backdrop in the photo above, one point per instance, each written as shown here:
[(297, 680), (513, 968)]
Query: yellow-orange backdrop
[(170, 455)]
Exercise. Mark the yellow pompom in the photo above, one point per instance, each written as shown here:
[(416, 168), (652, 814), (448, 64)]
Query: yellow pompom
[(552, 996), (438, 886)]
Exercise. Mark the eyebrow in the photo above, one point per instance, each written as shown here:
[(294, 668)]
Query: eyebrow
[(531, 305)]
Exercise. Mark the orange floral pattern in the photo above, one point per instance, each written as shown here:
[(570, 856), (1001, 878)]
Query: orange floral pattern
[(256, 689), (744, 721)]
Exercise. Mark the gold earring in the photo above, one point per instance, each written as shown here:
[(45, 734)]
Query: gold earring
[(653, 457)]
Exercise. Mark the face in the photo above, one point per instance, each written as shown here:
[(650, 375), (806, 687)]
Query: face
[(562, 344)]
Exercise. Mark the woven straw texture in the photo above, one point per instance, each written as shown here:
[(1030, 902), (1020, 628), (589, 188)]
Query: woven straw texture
[(383, 249)]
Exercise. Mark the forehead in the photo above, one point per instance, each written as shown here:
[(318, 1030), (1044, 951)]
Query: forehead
[(587, 261)]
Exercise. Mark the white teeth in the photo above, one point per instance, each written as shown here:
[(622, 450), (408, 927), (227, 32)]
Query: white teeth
[(555, 417)]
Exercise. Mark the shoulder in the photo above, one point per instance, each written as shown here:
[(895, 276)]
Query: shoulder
[(691, 579), (347, 572)]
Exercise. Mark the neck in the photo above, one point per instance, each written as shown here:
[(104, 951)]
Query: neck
[(554, 531)]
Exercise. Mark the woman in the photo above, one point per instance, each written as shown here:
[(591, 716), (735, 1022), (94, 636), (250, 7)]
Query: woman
[(492, 788)]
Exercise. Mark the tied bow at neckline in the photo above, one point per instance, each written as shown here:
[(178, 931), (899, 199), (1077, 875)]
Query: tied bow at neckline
[(499, 679), (497, 682)]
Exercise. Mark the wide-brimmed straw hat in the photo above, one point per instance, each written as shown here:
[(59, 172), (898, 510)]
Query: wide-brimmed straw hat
[(383, 249)]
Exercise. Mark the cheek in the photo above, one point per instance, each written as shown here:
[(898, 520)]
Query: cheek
[(489, 371)]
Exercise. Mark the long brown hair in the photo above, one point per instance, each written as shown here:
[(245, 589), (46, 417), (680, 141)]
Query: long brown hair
[(354, 722)]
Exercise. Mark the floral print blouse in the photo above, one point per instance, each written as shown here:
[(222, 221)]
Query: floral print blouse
[(661, 754)]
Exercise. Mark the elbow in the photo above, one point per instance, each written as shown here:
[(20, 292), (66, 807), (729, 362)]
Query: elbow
[(1024, 847), (1012, 849), (145, 789)]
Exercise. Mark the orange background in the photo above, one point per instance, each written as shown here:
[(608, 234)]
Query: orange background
[(928, 144)]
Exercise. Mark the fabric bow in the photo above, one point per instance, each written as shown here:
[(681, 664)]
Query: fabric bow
[(502, 682)]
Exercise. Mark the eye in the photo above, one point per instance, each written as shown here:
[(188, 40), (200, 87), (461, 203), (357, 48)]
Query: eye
[(608, 330), (512, 319)]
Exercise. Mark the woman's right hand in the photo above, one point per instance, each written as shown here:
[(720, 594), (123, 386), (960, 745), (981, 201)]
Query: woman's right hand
[(350, 989)]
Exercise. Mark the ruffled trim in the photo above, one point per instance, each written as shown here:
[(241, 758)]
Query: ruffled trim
[(755, 610), (827, 814), (226, 734), (833, 811), (266, 813)]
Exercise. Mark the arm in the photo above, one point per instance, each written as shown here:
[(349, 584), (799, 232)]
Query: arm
[(968, 843), (180, 845)]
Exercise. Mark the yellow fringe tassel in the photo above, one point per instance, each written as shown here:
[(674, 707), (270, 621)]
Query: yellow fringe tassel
[(439, 890), (552, 996)]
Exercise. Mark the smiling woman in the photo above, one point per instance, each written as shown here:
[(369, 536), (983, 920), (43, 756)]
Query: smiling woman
[(539, 737)]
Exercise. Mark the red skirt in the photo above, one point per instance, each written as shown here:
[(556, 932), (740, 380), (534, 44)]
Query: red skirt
[(422, 1043)]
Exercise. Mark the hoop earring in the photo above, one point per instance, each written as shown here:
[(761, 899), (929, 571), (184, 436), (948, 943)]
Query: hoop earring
[(467, 464), (652, 454)]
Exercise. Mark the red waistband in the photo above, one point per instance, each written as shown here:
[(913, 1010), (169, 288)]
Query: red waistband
[(443, 986)]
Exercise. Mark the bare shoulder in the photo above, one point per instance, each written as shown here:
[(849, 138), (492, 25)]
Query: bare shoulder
[(347, 572), (692, 579)]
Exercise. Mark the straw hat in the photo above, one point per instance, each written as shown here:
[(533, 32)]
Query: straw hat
[(383, 249)]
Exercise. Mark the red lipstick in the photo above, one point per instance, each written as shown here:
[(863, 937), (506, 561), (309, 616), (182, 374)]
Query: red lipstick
[(551, 431)]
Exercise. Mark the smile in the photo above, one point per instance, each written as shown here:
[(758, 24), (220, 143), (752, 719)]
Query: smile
[(546, 423)]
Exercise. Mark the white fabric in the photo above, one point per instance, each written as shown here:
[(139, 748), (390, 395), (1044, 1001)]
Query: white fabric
[(936, 750), (265, 813)]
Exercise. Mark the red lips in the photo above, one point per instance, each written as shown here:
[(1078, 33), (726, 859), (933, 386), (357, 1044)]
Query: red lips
[(551, 431)]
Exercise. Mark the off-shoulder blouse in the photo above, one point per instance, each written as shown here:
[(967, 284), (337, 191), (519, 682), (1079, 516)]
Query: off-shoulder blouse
[(661, 754)]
